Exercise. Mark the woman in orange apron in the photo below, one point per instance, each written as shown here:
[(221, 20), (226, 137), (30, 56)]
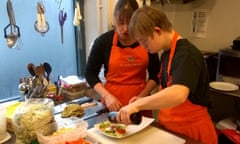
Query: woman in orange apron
[(182, 100), (126, 63)]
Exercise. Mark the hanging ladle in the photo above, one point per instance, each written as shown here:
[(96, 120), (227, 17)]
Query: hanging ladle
[(14, 29), (13, 36), (41, 25)]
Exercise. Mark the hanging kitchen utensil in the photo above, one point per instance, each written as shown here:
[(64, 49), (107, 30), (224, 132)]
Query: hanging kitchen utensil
[(41, 25), (62, 16), (12, 28), (77, 15), (59, 3)]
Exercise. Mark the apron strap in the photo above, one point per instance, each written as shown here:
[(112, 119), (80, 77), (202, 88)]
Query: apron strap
[(165, 68)]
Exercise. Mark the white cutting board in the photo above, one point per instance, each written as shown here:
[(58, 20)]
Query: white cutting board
[(149, 135)]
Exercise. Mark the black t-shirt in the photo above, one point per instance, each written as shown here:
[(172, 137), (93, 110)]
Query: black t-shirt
[(189, 69), (99, 56)]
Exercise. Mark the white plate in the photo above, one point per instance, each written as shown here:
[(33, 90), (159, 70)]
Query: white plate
[(223, 86), (130, 129), (7, 137)]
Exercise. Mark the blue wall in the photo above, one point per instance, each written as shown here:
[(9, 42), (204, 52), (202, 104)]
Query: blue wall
[(36, 48)]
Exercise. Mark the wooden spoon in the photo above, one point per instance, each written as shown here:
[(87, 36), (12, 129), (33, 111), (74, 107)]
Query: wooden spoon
[(39, 71), (31, 68)]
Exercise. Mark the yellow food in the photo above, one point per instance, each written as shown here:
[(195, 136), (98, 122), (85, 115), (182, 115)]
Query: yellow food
[(10, 113), (61, 131), (73, 110)]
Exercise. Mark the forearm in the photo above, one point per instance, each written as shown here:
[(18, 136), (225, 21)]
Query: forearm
[(108, 99), (166, 98), (150, 86), (99, 88)]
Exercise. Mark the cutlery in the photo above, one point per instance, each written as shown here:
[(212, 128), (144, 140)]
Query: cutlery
[(62, 16), (48, 69), (97, 113), (30, 68)]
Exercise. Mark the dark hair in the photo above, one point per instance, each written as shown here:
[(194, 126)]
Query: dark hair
[(124, 10)]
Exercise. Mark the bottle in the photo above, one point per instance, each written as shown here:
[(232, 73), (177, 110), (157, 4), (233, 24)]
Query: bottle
[(135, 118)]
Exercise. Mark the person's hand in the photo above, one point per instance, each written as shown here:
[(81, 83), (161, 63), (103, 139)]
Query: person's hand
[(112, 103), (133, 99), (125, 112)]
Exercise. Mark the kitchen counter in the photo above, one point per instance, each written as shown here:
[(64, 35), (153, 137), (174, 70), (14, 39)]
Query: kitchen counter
[(103, 117), (225, 104), (232, 94)]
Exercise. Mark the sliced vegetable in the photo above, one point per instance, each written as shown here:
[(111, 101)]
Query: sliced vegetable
[(112, 128)]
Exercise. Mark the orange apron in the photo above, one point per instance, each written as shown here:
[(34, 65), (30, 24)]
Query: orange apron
[(126, 75), (187, 118)]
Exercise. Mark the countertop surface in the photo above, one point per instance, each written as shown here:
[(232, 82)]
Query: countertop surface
[(233, 94), (103, 117)]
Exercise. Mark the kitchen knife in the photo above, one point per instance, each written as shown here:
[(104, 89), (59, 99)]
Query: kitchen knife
[(97, 113), (81, 101), (59, 108)]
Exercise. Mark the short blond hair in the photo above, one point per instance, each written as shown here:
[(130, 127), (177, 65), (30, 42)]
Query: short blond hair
[(145, 19)]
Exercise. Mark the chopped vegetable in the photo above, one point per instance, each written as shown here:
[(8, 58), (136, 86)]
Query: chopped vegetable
[(113, 129), (79, 141)]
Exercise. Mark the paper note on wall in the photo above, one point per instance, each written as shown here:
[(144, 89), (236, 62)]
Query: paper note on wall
[(199, 23)]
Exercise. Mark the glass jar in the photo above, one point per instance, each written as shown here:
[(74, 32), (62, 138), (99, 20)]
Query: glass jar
[(30, 116)]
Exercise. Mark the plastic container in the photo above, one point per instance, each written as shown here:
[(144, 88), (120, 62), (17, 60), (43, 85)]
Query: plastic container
[(73, 95), (31, 116), (10, 114), (73, 83), (70, 129), (3, 121)]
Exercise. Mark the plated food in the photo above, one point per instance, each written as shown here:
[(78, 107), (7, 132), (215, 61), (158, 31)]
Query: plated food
[(112, 129), (118, 131)]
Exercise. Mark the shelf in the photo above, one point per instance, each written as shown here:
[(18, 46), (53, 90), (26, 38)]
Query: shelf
[(230, 52), (233, 94)]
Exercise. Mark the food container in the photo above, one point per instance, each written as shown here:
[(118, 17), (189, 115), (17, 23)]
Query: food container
[(69, 130), (3, 122), (30, 116), (73, 95), (73, 83), (75, 87), (10, 114)]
